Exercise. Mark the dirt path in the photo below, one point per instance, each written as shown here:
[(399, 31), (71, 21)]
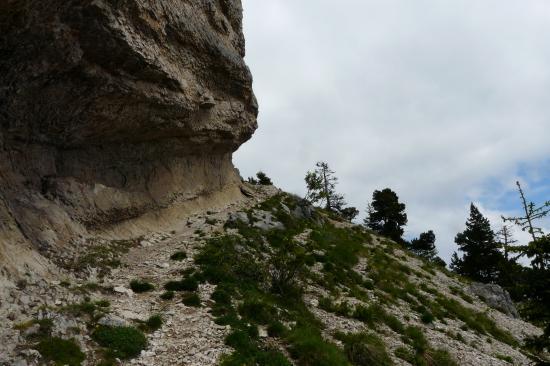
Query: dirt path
[(188, 335)]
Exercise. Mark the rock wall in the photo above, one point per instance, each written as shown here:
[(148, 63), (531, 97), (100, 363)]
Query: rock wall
[(112, 109)]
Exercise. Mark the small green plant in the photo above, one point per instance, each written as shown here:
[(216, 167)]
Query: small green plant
[(61, 351), (178, 256), (139, 286), (505, 358), (191, 299), (308, 347), (167, 295), (364, 349), (426, 317), (122, 342), (187, 284), (154, 322)]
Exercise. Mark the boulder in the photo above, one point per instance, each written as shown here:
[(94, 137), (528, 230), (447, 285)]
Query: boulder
[(496, 297)]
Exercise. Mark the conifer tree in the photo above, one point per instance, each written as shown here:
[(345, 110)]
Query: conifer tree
[(386, 215), (424, 245), (321, 188), (481, 260)]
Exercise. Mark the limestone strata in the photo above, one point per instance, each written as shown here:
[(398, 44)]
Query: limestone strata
[(113, 109)]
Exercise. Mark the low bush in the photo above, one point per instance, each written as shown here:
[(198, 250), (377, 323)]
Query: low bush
[(178, 256), (122, 342), (364, 349), (187, 284), (167, 295), (308, 347), (191, 299), (139, 286), (154, 322), (61, 351)]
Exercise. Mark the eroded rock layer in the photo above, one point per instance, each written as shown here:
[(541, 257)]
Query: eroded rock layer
[(112, 109)]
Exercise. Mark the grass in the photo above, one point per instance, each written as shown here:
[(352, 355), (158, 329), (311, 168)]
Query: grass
[(178, 256), (422, 354), (121, 342), (167, 295), (191, 299), (104, 255), (61, 351), (140, 286), (374, 314), (187, 284), (258, 276), (154, 322), (505, 358), (308, 347), (365, 349)]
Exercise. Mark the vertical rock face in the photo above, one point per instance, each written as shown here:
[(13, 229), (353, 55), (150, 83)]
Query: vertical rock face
[(110, 109)]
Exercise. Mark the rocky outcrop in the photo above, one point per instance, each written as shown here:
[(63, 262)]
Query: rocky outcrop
[(112, 110), (496, 297)]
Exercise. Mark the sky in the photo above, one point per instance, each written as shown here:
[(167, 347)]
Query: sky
[(445, 102)]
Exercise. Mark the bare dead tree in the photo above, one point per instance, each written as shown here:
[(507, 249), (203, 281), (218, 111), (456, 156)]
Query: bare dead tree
[(532, 213)]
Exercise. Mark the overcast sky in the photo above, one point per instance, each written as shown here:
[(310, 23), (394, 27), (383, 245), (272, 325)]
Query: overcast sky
[(445, 102)]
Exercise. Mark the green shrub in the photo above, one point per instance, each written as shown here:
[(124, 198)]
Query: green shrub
[(415, 337), (441, 357), (308, 347), (221, 296), (257, 311), (405, 354), (154, 322), (61, 351), (187, 284), (276, 329), (426, 317), (191, 299), (364, 349), (178, 256), (139, 286), (122, 342), (167, 295), (505, 358)]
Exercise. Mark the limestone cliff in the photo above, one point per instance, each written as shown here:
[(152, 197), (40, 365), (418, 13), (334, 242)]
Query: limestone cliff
[(111, 110)]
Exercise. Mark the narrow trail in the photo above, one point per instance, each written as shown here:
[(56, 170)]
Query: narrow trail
[(188, 335)]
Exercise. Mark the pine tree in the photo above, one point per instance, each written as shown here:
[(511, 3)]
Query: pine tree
[(349, 213), (424, 245), (386, 215), (481, 260), (321, 188), (263, 179)]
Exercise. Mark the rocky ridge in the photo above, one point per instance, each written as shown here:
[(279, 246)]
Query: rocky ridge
[(192, 335), (115, 117)]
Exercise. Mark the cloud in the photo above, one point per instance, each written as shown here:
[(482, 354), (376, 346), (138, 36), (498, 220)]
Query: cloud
[(444, 102)]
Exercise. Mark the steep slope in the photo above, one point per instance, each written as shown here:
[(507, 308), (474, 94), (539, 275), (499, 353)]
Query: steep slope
[(270, 281), (113, 111)]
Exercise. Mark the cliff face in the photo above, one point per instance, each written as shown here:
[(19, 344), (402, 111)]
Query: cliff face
[(111, 110)]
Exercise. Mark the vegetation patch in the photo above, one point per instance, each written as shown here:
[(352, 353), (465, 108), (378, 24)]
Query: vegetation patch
[(61, 351), (191, 299), (121, 342), (139, 286), (365, 349), (153, 323), (178, 256)]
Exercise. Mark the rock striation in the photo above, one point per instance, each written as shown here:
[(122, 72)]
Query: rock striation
[(114, 110)]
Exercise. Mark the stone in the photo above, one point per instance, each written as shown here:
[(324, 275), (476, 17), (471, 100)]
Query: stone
[(239, 216), (111, 320), (264, 220), (123, 290), (496, 297)]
